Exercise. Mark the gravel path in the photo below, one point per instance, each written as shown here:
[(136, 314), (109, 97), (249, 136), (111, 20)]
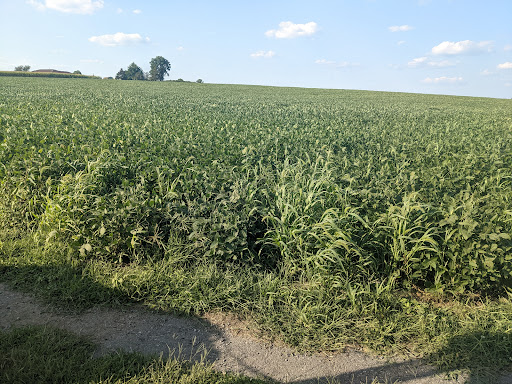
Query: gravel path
[(228, 346)]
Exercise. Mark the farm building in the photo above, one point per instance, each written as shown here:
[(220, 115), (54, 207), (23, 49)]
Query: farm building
[(50, 71)]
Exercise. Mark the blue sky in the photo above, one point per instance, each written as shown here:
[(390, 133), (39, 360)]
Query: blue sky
[(459, 47)]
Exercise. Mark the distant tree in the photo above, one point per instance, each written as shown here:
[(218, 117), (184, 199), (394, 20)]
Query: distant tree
[(200, 81), (159, 68), (134, 72), (121, 75), (77, 72), (22, 68), (180, 80)]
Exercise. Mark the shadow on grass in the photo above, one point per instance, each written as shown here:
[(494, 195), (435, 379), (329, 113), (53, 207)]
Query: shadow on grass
[(478, 357), (45, 345), (486, 355), (49, 355), (61, 285), (76, 302)]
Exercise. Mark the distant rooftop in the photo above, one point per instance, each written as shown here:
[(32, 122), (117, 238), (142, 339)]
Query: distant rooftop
[(50, 71)]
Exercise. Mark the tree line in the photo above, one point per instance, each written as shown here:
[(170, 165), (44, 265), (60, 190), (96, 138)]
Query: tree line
[(159, 68), (159, 65)]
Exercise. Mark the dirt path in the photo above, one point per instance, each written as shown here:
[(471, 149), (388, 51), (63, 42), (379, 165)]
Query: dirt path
[(143, 330)]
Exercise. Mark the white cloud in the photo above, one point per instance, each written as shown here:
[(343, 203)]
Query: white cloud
[(507, 65), (37, 5), (263, 54), (180, 48), (68, 6), (426, 61), (443, 80), (119, 10), (508, 47), (401, 42), (416, 62), (289, 30), (486, 72), (462, 47), (400, 28), (137, 11), (118, 38)]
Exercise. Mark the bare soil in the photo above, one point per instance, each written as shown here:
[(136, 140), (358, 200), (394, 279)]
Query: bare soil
[(229, 343)]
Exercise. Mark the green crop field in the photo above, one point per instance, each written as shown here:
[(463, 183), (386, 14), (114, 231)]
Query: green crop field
[(331, 217)]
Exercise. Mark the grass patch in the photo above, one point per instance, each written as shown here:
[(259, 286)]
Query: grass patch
[(471, 335), (54, 276), (48, 355)]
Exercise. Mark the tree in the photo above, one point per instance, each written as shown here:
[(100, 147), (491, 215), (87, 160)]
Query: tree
[(200, 81), (22, 68), (121, 75), (134, 72), (77, 72), (159, 68)]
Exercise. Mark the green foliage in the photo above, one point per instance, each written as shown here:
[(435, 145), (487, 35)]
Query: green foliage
[(159, 68), (22, 68), (134, 72), (121, 75), (409, 190)]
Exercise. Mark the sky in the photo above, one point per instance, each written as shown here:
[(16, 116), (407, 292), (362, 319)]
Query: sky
[(455, 47)]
